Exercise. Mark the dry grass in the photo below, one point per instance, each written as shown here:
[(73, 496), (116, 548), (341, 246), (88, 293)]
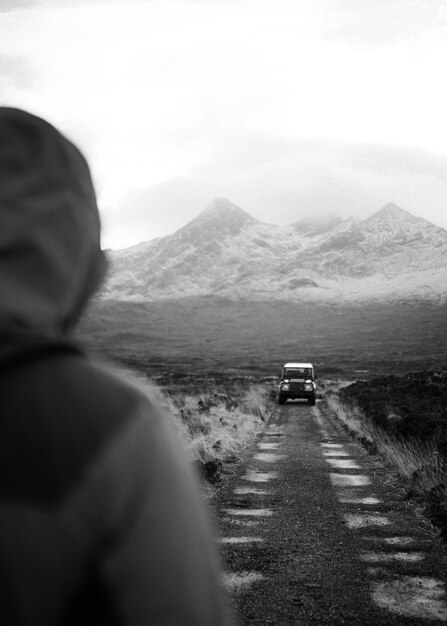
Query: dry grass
[(419, 464), (217, 427), (213, 425), (408, 457)]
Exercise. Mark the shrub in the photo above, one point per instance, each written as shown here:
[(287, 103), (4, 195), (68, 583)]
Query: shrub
[(411, 406)]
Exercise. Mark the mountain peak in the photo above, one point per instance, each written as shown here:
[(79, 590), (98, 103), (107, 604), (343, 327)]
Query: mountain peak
[(392, 207), (221, 204), (392, 211), (224, 251), (220, 219), (223, 208)]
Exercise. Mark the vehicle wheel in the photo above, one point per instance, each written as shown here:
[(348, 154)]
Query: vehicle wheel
[(312, 401), (281, 399)]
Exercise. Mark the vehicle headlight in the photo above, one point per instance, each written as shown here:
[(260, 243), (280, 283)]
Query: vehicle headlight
[(308, 387), (285, 386)]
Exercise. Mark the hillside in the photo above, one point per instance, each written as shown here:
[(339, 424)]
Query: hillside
[(390, 256), (216, 335)]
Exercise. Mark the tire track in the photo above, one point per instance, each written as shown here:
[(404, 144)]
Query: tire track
[(401, 593), (311, 532)]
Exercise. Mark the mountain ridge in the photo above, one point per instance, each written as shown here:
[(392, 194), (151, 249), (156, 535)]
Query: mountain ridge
[(224, 251)]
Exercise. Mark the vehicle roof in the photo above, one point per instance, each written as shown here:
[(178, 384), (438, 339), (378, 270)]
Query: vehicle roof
[(297, 365)]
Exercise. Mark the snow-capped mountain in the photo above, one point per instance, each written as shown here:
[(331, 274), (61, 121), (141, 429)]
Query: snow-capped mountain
[(224, 251)]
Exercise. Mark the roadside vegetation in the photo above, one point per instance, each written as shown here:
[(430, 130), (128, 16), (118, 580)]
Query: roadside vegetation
[(404, 419), (215, 419)]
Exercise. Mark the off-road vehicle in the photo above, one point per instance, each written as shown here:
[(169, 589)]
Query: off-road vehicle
[(297, 380)]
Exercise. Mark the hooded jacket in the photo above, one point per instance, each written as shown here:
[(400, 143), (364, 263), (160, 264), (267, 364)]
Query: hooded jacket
[(100, 517)]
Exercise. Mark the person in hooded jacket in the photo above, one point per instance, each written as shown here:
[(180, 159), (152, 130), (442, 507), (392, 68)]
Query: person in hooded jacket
[(101, 521)]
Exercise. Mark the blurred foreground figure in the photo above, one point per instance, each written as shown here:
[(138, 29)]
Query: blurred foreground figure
[(100, 518)]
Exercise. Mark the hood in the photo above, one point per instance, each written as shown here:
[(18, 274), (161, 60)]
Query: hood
[(50, 256)]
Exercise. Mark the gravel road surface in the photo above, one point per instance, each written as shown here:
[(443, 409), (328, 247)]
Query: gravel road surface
[(314, 530)]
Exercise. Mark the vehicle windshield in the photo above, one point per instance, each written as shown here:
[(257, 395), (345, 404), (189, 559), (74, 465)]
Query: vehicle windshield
[(298, 372)]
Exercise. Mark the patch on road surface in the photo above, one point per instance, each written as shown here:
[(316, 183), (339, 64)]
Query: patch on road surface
[(367, 500), (235, 521), (241, 580), (343, 463), (329, 454), (243, 491), (268, 446), (239, 540), (365, 520), (419, 597), (380, 557), (346, 480), (254, 476), (250, 512), (398, 541), (268, 457)]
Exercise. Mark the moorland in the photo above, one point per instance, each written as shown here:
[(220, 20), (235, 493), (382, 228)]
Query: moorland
[(214, 361), (216, 336)]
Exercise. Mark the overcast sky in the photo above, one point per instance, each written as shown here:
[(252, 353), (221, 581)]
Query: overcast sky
[(289, 108)]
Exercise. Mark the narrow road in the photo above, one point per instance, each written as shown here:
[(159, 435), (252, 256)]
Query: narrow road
[(312, 530)]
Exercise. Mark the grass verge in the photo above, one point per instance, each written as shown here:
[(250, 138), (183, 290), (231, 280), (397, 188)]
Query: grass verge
[(420, 464), (215, 420)]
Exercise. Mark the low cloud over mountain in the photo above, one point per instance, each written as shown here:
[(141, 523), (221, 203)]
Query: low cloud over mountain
[(224, 251)]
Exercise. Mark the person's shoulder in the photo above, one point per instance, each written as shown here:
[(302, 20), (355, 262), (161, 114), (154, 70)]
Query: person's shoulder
[(60, 413), (84, 401), (105, 390)]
